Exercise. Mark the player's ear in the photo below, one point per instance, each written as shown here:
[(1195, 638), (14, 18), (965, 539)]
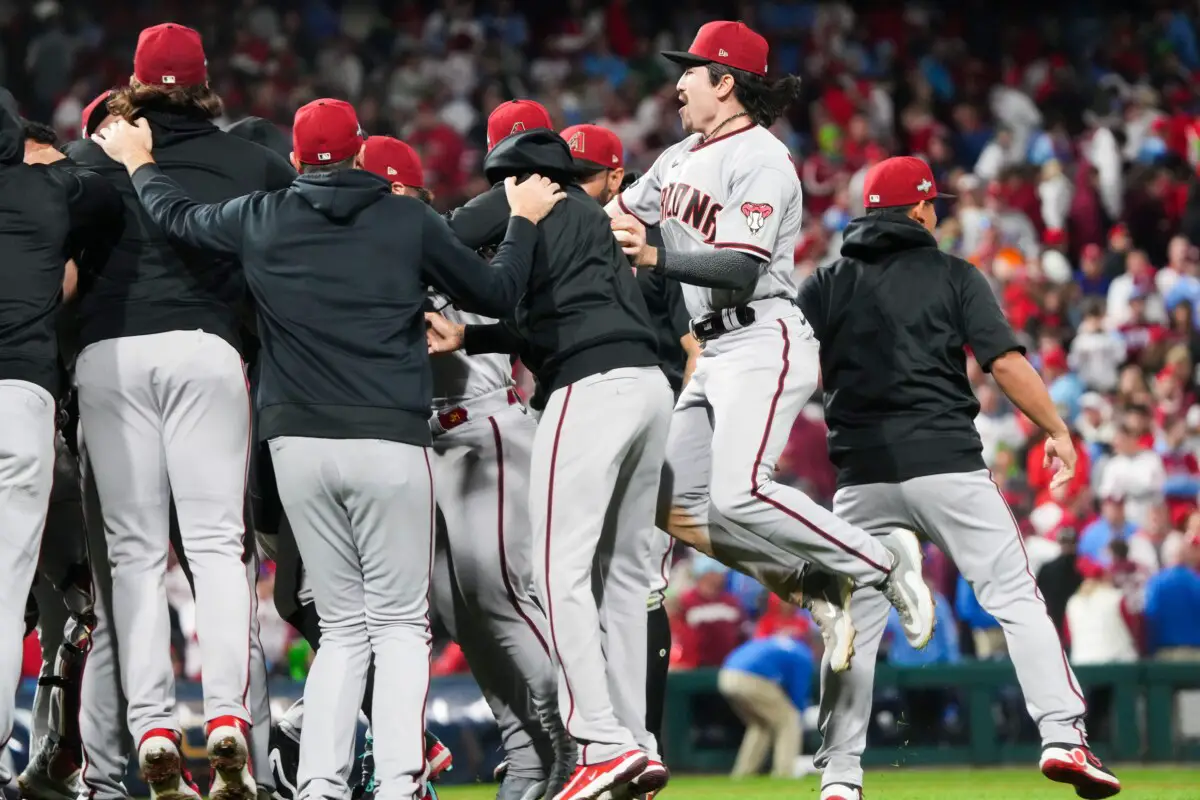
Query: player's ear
[(295, 161)]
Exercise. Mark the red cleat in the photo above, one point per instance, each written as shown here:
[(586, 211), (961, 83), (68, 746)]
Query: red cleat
[(651, 781), (437, 756), (588, 783)]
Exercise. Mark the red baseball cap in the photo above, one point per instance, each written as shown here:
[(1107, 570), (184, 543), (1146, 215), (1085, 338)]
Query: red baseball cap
[(93, 113), (731, 44), (394, 161), (326, 131), (170, 55), (595, 145), (515, 116), (899, 181)]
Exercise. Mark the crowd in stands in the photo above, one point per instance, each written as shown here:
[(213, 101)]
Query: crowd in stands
[(1071, 138)]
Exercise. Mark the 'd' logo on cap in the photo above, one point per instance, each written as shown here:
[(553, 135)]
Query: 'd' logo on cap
[(576, 143)]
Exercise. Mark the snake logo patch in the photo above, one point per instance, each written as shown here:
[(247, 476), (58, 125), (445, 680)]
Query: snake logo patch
[(756, 215)]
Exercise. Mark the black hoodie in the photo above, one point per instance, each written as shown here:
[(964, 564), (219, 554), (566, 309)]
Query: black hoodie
[(338, 267), (44, 211), (895, 317), (583, 313), (149, 285)]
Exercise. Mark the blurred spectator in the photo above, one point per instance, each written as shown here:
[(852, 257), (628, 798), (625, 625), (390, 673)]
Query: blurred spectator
[(1181, 484), (1093, 282), (1099, 623), (1059, 578), (1066, 388), (996, 423), (1172, 598), (784, 619), (768, 682), (1096, 353), (711, 622), (985, 630), (1112, 524), (1157, 544), (1135, 472)]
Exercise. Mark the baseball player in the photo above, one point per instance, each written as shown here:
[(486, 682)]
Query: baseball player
[(344, 402), (582, 329), (482, 443), (163, 398), (49, 213), (601, 156), (729, 205), (902, 436)]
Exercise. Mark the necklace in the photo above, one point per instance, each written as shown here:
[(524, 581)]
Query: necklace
[(723, 124)]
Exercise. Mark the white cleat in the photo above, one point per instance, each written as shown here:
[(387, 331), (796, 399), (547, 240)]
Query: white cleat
[(53, 774), (906, 589), (841, 791), (830, 609), (162, 769), (229, 757)]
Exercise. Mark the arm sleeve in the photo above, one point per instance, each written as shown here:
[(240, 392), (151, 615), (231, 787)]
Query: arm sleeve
[(752, 217), (209, 226), (476, 286), (482, 221), (717, 269), (984, 327), (641, 199), (811, 303), (496, 337)]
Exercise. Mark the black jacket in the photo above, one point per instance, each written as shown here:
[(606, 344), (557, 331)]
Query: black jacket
[(583, 313), (150, 285), (45, 213), (338, 267), (669, 318), (895, 316)]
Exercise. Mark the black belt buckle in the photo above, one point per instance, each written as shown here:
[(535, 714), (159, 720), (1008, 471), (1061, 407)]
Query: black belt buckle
[(718, 323)]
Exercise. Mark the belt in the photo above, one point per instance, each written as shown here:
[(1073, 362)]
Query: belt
[(717, 323), (480, 407)]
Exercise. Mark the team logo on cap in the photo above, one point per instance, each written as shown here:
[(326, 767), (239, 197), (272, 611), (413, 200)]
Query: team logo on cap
[(392, 171), (722, 53), (576, 143), (324, 157), (168, 79), (517, 127), (756, 216), (614, 158), (924, 186)]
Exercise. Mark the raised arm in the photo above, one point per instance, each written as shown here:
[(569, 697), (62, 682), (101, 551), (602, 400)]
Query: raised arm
[(476, 286)]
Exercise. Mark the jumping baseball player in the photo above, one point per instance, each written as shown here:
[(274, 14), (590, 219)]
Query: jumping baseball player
[(582, 329), (49, 212), (729, 204), (344, 402), (895, 316), (482, 444), (601, 157), (162, 393)]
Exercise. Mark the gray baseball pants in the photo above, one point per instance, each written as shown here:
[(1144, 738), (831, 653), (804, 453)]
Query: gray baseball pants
[(27, 414), (362, 511), (597, 461), (966, 516), (484, 577)]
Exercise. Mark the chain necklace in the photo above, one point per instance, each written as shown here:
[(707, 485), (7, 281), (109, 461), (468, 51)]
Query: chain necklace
[(717, 129)]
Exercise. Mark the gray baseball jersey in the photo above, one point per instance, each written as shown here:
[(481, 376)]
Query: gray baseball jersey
[(737, 191)]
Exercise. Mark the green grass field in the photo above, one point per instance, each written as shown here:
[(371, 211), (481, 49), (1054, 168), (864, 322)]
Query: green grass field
[(1140, 783)]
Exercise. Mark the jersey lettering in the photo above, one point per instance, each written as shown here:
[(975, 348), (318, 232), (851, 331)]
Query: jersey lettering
[(692, 207)]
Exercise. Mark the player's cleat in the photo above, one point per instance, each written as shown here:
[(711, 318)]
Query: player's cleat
[(651, 780), (830, 609), (162, 767), (589, 782), (560, 774), (284, 758), (229, 757), (1078, 766), (906, 589), (841, 791), (516, 788), (52, 774), (438, 758), (366, 786)]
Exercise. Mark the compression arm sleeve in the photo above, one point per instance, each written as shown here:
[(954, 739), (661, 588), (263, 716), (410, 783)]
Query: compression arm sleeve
[(716, 269)]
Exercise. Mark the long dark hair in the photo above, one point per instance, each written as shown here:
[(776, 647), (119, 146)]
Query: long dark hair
[(765, 101)]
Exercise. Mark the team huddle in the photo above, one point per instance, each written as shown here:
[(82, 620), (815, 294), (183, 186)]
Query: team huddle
[(283, 338)]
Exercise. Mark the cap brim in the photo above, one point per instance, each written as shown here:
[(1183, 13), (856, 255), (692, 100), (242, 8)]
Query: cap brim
[(946, 195), (684, 58)]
